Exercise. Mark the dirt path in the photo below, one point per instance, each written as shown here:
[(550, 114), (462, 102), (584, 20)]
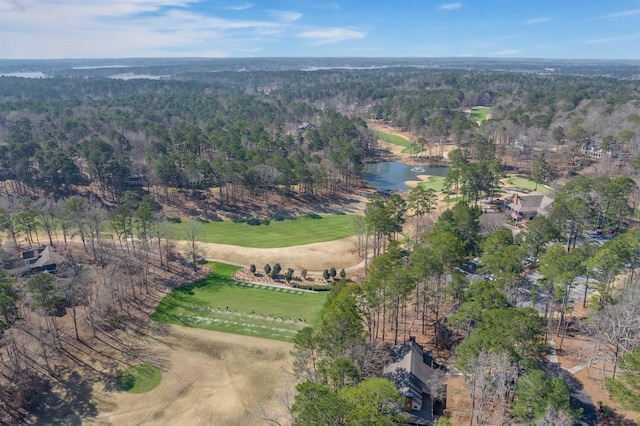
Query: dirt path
[(207, 378)]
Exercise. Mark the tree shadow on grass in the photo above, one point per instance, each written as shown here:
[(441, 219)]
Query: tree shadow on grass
[(608, 417), (70, 406), (205, 282)]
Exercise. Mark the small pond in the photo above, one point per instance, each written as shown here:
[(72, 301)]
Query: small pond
[(391, 176)]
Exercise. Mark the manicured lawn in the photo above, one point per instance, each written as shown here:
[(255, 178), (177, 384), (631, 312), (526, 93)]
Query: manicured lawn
[(479, 114), (139, 378), (394, 139), (412, 150), (528, 185), (453, 200), (277, 233), (399, 140), (434, 182), (218, 303)]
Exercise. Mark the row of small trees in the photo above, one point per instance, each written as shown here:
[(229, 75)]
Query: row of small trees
[(274, 272)]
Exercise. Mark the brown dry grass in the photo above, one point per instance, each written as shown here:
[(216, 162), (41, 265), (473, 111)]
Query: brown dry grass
[(207, 378), (313, 257)]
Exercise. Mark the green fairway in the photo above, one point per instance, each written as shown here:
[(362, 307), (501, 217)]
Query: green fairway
[(528, 185), (393, 139), (277, 233), (479, 114), (453, 199), (139, 378), (400, 141), (434, 182), (218, 303)]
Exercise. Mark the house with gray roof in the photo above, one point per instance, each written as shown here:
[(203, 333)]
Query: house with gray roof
[(528, 206), (413, 371)]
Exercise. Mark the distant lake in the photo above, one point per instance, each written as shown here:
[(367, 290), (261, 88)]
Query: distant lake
[(138, 76), (97, 67), (391, 176), (24, 74)]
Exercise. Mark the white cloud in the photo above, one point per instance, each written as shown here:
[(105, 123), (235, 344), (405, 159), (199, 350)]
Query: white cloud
[(621, 14), (450, 6), (612, 39), (285, 16), (123, 28), (507, 52), (332, 35), (243, 6), (538, 20)]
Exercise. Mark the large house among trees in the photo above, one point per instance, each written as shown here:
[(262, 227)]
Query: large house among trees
[(415, 373), (530, 205), (594, 150), (33, 261)]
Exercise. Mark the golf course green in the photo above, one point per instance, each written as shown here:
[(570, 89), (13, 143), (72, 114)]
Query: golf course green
[(217, 302)]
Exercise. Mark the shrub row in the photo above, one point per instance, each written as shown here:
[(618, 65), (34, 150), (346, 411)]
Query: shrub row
[(314, 287)]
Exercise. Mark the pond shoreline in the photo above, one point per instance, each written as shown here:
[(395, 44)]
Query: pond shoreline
[(391, 176)]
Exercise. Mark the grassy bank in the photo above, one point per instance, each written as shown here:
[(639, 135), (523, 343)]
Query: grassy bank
[(218, 303), (275, 233), (139, 378), (528, 185), (479, 114), (434, 182), (400, 141)]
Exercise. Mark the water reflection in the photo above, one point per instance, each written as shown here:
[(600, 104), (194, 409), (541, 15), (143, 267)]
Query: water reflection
[(391, 176)]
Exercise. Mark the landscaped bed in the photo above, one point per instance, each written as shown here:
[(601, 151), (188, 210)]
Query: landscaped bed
[(219, 303)]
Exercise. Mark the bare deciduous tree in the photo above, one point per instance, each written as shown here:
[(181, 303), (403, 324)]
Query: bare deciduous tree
[(191, 232), (489, 377), (618, 325), (76, 291)]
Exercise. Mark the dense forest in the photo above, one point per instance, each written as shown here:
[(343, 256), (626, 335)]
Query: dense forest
[(88, 150), (256, 132)]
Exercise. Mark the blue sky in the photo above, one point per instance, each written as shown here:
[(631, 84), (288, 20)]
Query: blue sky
[(424, 28)]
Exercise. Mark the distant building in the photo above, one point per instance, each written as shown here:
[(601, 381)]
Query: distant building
[(33, 261), (592, 149), (412, 369), (134, 181), (305, 126), (530, 205), (47, 261)]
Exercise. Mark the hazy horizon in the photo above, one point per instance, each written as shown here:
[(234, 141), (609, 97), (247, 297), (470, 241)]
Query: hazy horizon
[(177, 58)]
